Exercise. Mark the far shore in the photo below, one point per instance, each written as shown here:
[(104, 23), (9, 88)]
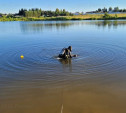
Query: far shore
[(77, 17)]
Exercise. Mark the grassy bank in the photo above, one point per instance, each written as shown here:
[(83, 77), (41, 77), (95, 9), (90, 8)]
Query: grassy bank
[(79, 17)]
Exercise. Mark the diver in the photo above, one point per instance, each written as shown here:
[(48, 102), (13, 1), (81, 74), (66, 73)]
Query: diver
[(66, 53)]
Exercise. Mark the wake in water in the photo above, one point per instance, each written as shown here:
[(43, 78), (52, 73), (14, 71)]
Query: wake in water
[(62, 108)]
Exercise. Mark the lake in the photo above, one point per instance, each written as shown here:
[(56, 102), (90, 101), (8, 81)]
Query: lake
[(93, 82)]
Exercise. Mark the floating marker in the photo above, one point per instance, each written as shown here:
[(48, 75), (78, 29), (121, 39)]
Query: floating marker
[(21, 56)]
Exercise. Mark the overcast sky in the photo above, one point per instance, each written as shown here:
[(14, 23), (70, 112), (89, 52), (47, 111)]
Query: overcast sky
[(12, 6)]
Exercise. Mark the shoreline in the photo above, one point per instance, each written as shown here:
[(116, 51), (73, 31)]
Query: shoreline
[(65, 18)]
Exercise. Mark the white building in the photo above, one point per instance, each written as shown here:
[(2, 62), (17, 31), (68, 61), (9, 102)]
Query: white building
[(76, 13)]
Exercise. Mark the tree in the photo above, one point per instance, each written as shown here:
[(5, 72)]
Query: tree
[(110, 8), (61, 13), (35, 12), (67, 13), (10, 16), (120, 10), (64, 12), (26, 14), (22, 12), (42, 13), (104, 10), (99, 10), (57, 12), (124, 10), (116, 9)]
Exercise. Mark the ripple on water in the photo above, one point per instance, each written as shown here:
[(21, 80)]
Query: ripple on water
[(94, 60), (97, 58)]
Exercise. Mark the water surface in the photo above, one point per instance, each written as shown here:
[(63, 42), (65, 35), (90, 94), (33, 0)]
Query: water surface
[(94, 82)]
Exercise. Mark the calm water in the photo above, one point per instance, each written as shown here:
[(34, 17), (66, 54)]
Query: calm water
[(94, 82)]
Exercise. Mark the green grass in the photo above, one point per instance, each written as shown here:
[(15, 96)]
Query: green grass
[(79, 17)]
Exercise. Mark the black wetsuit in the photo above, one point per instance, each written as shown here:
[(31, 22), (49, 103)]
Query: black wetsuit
[(65, 53)]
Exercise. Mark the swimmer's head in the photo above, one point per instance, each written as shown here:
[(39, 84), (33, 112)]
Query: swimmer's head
[(70, 48)]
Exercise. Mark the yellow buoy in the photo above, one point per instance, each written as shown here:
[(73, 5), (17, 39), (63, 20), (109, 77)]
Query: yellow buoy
[(21, 56)]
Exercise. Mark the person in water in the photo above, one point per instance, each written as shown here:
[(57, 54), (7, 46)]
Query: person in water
[(66, 53)]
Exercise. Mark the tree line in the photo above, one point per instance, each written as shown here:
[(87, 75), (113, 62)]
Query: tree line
[(110, 9), (35, 12)]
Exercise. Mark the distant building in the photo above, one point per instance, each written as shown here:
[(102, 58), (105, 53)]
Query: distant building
[(91, 12), (4, 15), (101, 12), (111, 12), (17, 16), (76, 13)]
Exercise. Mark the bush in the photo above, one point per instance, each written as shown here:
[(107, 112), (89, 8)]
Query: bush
[(116, 16), (106, 16)]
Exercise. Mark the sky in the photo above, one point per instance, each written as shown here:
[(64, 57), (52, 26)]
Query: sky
[(13, 6)]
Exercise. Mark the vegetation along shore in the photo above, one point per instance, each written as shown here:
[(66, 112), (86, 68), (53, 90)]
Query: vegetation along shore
[(40, 15)]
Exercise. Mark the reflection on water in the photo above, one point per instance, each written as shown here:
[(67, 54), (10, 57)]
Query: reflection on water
[(110, 24), (39, 26), (93, 82), (66, 61)]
